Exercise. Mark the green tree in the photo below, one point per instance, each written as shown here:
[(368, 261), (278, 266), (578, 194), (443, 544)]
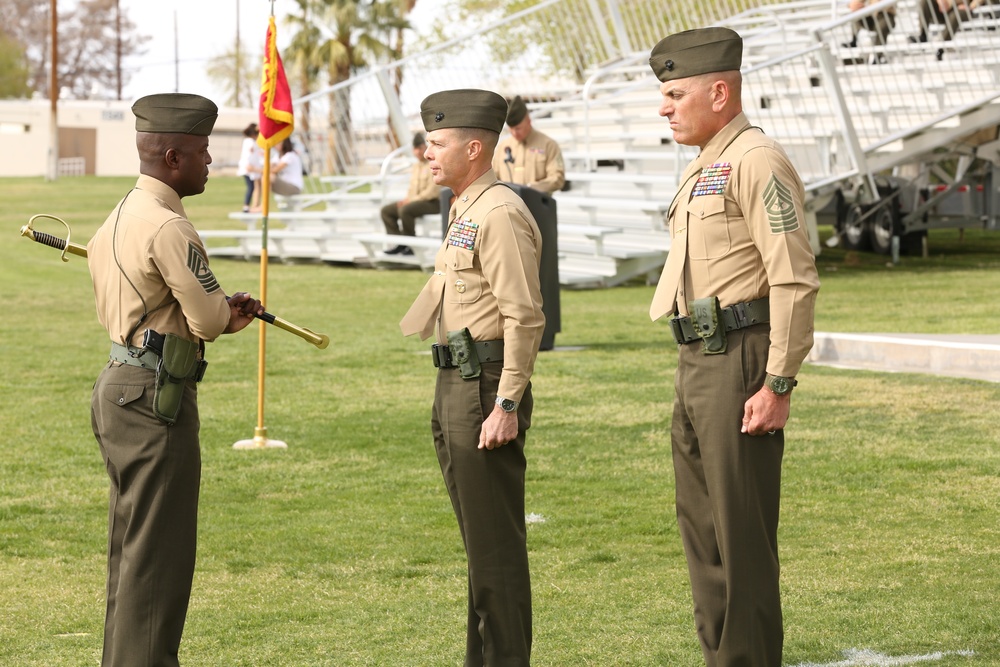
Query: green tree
[(351, 36), (93, 40), (13, 69)]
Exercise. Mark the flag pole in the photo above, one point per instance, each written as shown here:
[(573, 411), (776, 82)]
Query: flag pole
[(270, 81)]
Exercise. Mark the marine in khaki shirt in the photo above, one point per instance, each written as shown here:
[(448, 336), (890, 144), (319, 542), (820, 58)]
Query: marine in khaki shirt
[(166, 264), (422, 198), (150, 272), (422, 186), (738, 236), (486, 282), (744, 240), (489, 264), (527, 156)]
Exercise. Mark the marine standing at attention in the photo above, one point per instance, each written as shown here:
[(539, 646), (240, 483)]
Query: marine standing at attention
[(740, 281), (527, 156), (159, 302), (484, 297)]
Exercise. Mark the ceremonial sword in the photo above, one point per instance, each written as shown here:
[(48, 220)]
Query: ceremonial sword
[(67, 246)]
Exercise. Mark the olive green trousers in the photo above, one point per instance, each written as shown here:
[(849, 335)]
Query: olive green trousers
[(155, 473), (487, 492), (728, 487)]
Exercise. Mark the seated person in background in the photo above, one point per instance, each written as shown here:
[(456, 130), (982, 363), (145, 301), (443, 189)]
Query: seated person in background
[(946, 12), (879, 23), (286, 174), (528, 157), (422, 198)]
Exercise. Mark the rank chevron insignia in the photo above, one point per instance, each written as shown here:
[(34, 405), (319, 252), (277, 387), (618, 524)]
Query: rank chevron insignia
[(199, 267), (780, 207)]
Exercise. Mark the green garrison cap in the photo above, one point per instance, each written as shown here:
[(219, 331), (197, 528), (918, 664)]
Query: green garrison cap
[(518, 110), (175, 113), (694, 52), (464, 108)]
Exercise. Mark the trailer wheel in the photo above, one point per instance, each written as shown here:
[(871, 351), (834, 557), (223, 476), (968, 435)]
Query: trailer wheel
[(854, 230), (883, 225)]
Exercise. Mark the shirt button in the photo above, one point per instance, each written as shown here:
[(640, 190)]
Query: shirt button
[(121, 400)]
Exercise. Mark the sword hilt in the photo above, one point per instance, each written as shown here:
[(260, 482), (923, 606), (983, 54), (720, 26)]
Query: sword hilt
[(53, 241), (49, 240)]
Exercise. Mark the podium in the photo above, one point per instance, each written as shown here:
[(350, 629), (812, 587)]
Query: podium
[(543, 209)]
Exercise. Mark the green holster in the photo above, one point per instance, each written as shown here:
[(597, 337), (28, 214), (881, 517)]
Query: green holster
[(174, 360)]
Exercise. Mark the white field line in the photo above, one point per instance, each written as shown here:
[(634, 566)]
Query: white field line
[(863, 657)]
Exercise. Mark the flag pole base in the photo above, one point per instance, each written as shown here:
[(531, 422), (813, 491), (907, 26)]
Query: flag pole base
[(260, 441)]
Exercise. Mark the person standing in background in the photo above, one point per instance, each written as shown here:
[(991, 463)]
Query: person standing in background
[(250, 166), (527, 156)]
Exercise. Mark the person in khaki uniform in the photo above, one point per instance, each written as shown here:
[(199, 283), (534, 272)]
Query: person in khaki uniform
[(150, 273), (527, 156), (485, 300), (740, 283), (422, 198)]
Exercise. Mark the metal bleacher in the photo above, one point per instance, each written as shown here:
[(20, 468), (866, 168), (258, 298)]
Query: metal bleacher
[(846, 115)]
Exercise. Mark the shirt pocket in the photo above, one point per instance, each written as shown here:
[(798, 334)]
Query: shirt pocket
[(538, 162), (465, 281), (709, 235)]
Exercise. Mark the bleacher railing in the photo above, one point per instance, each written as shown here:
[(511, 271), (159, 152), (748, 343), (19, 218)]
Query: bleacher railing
[(843, 99), (354, 124)]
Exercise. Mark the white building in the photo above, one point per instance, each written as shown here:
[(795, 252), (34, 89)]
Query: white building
[(95, 137)]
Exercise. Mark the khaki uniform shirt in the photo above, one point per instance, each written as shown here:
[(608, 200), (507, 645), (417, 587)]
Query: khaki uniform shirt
[(538, 162), (160, 257), (738, 217), (486, 278), (422, 186)]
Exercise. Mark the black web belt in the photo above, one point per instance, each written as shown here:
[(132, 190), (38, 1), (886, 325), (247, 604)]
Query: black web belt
[(736, 316), (487, 350)]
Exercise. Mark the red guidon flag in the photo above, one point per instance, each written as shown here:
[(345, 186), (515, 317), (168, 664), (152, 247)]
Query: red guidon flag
[(276, 121)]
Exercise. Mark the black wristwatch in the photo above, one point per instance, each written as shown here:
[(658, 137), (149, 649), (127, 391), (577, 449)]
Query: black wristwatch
[(778, 384), (506, 404)]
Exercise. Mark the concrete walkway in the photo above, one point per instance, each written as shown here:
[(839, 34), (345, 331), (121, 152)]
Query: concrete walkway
[(973, 356)]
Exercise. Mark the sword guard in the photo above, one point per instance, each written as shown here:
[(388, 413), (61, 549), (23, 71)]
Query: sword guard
[(48, 239)]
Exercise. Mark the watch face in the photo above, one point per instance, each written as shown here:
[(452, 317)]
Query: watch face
[(779, 385), (507, 405)]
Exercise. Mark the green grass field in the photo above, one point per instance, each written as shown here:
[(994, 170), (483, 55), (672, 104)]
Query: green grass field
[(343, 551)]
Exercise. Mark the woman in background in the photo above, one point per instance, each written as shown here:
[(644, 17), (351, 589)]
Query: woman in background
[(250, 167)]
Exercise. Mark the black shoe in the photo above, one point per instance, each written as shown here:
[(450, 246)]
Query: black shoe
[(394, 251), (851, 44), (940, 54), (914, 39), (405, 250)]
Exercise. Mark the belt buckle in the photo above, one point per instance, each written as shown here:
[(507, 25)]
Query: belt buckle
[(441, 356), (675, 329), (740, 314)]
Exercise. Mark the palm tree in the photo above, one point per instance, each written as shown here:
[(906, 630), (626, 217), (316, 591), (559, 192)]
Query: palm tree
[(238, 72), (352, 36)]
